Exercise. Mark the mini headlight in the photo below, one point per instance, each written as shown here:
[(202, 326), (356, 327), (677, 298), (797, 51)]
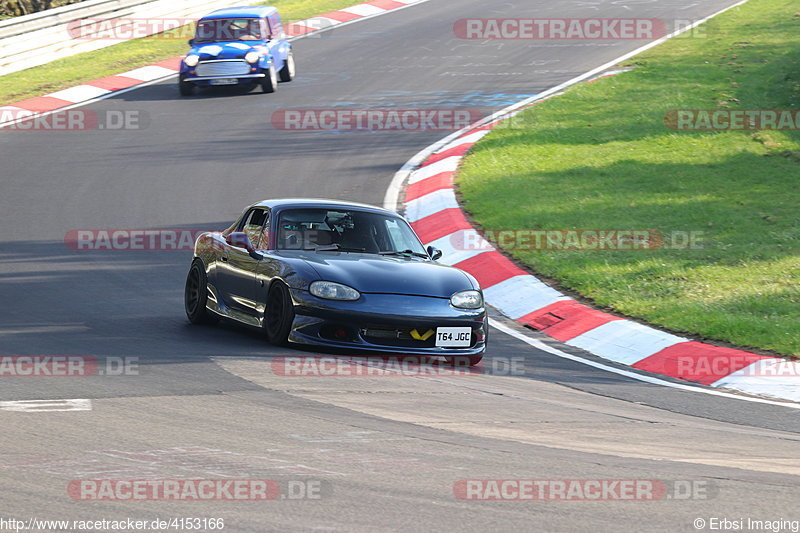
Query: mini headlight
[(467, 300), (191, 60), (333, 291), (252, 57)]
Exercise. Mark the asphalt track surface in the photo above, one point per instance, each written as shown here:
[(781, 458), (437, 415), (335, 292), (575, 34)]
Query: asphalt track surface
[(388, 451)]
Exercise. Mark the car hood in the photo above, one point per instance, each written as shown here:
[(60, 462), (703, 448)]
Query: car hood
[(226, 50), (390, 275)]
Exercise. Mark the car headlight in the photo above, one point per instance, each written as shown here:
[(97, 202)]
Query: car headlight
[(467, 300), (252, 57), (333, 291), (191, 60)]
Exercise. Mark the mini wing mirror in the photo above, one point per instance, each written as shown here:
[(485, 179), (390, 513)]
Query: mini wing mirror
[(191, 42), (435, 253), (239, 239)]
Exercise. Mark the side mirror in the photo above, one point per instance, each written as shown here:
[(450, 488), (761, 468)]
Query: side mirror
[(435, 253), (191, 42), (239, 239)]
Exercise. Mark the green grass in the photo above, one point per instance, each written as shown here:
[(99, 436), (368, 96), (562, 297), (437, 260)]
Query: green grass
[(600, 156), (129, 55)]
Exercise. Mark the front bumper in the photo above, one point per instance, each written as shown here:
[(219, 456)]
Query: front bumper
[(248, 77), (382, 322)]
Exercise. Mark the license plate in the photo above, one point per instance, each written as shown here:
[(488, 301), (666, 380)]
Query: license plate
[(225, 81), (453, 337)]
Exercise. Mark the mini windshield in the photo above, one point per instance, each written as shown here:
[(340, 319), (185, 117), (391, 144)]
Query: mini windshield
[(347, 231), (234, 29)]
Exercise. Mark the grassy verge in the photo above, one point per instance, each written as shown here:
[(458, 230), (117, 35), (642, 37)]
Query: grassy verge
[(601, 157), (130, 55)]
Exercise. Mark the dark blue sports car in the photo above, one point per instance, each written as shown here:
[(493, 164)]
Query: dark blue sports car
[(336, 274)]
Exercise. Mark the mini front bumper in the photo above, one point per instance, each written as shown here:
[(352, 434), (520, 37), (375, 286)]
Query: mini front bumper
[(318, 321), (239, 77)]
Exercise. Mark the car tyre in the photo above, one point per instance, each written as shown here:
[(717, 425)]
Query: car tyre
[(269, 84), (279, 314), (186, 88), (463, 360), (196, 296), (289, 69)]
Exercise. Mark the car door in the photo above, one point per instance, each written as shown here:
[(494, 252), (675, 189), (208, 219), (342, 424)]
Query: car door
[(277, 45), (236, 277)]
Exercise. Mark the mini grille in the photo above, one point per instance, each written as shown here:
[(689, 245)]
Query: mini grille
[(223, 68)]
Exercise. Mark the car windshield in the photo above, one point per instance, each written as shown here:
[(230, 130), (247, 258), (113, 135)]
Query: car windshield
[(234, 29), (347, 231)]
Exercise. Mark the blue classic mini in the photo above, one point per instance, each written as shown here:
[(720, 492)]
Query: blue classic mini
[(238, 46)]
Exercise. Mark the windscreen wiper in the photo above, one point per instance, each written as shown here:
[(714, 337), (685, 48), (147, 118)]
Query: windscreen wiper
[(337, 248), (406, 252)]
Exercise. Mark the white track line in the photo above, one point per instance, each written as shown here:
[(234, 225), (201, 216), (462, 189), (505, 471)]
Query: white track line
[(628, 374), (46, 406)]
